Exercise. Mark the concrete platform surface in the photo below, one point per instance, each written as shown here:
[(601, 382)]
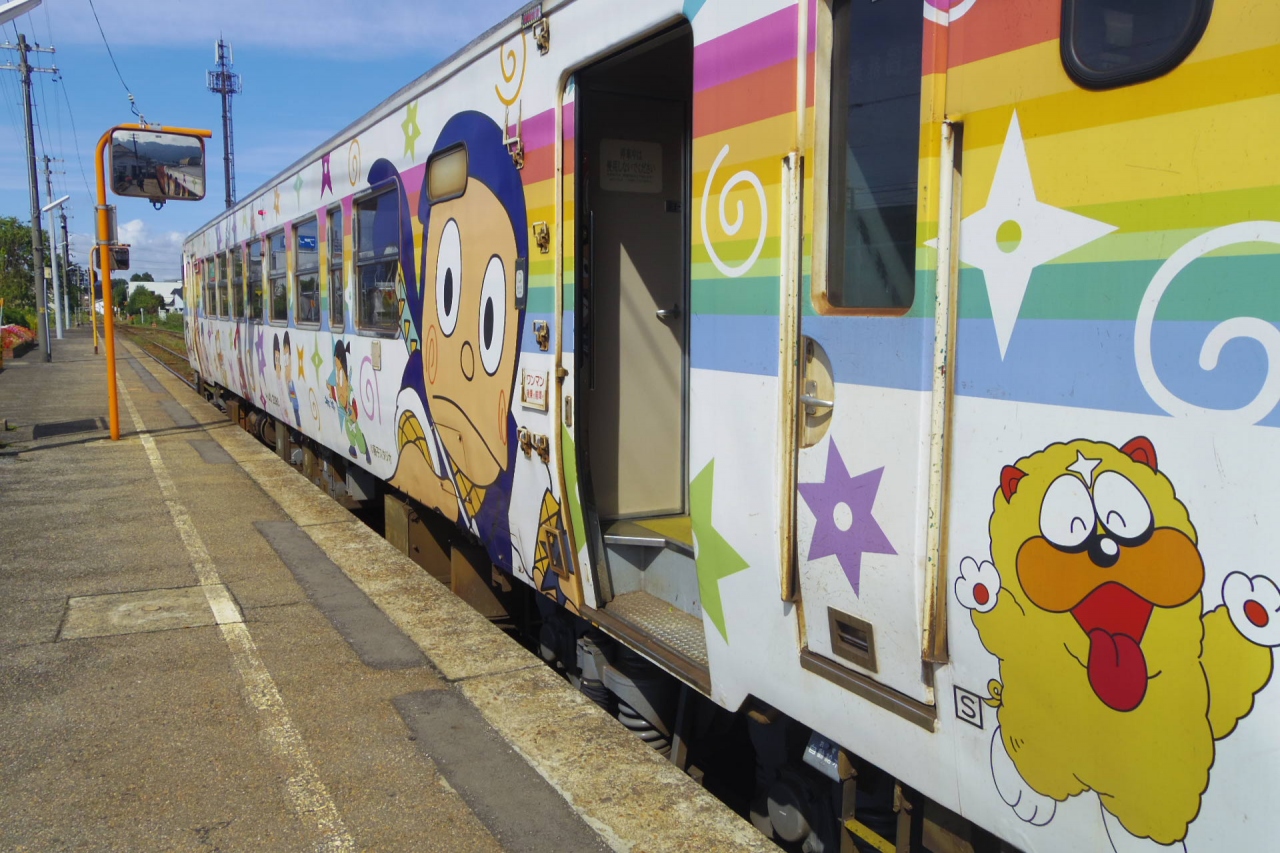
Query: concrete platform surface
[(199, 650)]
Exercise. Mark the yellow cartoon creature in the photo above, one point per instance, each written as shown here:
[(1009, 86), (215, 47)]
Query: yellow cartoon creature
[(1112, 678)]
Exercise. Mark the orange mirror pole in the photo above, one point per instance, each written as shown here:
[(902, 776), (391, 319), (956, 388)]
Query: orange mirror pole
[(108, 320), (104, 257)]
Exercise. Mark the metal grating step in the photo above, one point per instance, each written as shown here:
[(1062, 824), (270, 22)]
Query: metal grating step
[(678, 631)]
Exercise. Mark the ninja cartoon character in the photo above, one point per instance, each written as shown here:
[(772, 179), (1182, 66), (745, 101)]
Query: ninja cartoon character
[(287, 362), (1112, 677), (348, 411), (462, 326)]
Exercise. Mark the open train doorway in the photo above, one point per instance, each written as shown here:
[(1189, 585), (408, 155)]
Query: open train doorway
[(634, 141)]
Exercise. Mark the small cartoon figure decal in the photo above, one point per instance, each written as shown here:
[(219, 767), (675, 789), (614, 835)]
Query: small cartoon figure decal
[(287, 366), (1112, 677), (339, 383)]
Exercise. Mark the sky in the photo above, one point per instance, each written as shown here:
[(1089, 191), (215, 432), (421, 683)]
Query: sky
[(308, 67)]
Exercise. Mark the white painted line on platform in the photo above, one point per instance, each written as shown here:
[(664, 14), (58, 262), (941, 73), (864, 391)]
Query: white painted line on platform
[(308, 795)]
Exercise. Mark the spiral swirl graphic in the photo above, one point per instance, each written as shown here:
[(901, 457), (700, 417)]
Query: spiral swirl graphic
[(353, 162), (370, 396), (1253, 328), (517, 66), (733, 227), (315, 405)]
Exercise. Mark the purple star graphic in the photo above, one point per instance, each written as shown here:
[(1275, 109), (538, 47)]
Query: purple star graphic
[(262, 358), (845, 527), (326, 179)]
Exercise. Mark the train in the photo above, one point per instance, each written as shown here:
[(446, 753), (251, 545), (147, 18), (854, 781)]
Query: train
[(896, 378)]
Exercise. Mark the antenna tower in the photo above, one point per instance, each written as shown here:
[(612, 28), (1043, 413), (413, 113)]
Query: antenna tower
[(225, 82)]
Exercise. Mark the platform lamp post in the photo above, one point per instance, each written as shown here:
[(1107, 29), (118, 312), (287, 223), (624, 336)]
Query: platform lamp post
[(58, 313), (148, 161)]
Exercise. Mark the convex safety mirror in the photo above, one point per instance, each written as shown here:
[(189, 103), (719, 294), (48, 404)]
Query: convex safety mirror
[(157, 166)]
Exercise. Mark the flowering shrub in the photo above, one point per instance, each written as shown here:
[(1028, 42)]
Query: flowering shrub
[(14, 336)]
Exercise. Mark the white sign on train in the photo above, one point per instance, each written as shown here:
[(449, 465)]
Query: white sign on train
[(533, 389), (630, 167)]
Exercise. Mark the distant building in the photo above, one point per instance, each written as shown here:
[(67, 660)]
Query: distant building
[(169, 291)]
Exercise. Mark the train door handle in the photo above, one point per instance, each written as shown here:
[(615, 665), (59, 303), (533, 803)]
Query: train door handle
[(672, 313), (811, 401)]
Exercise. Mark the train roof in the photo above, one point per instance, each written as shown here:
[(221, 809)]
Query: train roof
[(437, 74)]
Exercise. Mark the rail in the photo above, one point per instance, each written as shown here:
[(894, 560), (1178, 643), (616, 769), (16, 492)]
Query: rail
[(146, 342)]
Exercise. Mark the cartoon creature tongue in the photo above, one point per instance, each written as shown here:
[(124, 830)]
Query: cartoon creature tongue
[(1115, 620)]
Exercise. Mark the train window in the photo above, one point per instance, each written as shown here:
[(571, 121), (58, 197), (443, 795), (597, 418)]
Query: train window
[(255, 280), (278, 278), (224, 298), (306, 265), (874, 155), (337, 289), (1109, 43), (237, 283), (378, 262), (209, 280)]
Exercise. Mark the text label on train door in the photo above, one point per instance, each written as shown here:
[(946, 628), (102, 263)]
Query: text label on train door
[(533, 389)]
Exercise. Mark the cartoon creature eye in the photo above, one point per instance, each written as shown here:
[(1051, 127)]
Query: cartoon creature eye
[(1121, 506), (493, 315), (449, 277), (1067, 517)]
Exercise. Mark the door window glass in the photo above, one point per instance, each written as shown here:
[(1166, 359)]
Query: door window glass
[(875, 150), (337, 289)]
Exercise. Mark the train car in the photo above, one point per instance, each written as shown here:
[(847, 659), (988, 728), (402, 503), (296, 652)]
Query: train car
[(899, 375)]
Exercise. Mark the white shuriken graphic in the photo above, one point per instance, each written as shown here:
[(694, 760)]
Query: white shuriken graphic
[(1033, 233), (1084, 467)]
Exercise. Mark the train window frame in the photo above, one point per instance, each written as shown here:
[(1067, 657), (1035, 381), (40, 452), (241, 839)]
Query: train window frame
[(1090, 78), (827, 239), (311, 271), (275, 275), (254, 281), (335, 269), (208, 287), (391, 328), (236, 303), (223, 286)]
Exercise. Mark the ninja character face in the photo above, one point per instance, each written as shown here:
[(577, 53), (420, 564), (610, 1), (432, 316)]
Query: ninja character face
[(471, 328), (287, 359), (275, 354), (343, 385)]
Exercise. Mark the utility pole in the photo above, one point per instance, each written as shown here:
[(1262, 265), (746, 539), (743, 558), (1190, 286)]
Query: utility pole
[(58, 315), (66, 264), (37, 239), (223, 81)]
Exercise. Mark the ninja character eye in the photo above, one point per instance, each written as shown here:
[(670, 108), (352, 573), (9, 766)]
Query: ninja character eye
[(449, 277), (1121, 506), (1067, 517), (493, 315)]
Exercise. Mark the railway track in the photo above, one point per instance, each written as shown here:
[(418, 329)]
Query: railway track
[(168, 348)]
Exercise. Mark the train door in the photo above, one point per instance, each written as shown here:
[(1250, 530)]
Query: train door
[(633, 147), (865, 365)]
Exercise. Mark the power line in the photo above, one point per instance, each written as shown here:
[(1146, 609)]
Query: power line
[(133, 105)]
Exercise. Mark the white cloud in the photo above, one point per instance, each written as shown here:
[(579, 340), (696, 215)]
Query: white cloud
[(362, 30), (159, 253)]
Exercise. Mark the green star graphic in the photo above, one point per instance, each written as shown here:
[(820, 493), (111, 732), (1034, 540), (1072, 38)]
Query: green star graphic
[(316, 359), (410, 128), (716, 557), (297, 189)]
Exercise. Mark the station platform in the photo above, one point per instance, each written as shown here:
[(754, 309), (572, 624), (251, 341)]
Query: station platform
[(200, 650)]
